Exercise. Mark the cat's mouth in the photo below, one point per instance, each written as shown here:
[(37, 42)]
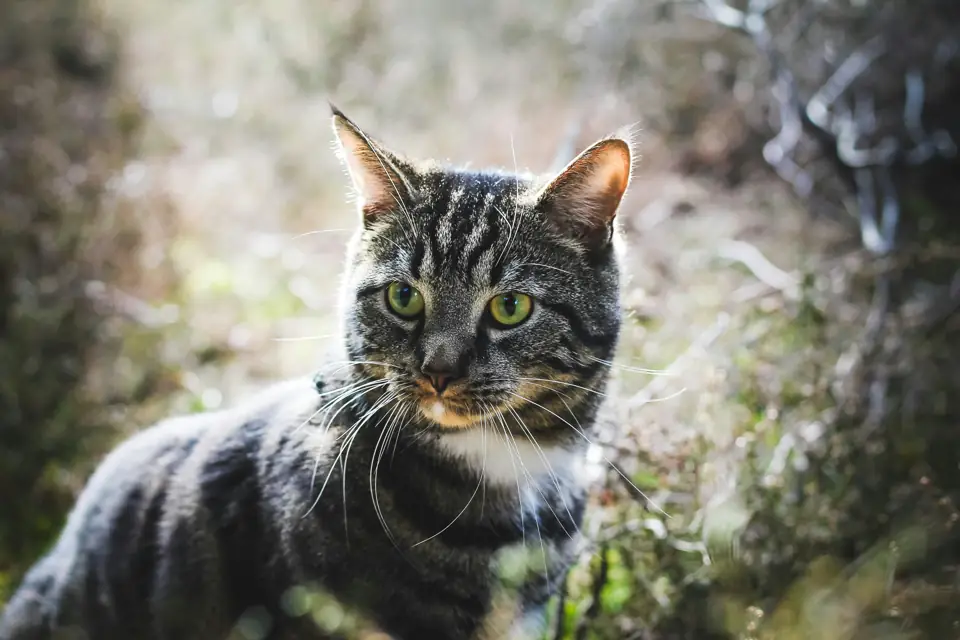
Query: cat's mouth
[(459, 406), (447, 414), (451, 410)]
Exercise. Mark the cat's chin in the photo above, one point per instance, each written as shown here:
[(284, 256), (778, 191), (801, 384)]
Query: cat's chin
[(435, 410)]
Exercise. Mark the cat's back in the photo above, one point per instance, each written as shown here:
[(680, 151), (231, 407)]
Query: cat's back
[(112, 564), (162, 467)]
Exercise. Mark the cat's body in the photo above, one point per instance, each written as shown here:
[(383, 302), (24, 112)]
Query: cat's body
[(196, 521), (408, 481)]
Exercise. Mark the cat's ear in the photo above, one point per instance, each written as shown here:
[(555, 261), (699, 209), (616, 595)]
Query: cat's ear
[(380, 177), (582, 200)]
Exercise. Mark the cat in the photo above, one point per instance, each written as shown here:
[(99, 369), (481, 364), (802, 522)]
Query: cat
[(409, 481)]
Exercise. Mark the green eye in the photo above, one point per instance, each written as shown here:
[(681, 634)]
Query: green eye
[(404, 299), (510, 309)]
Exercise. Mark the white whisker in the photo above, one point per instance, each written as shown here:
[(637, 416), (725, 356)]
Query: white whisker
[(589, 441), (462, 511), (545, 266), (536, 515), (346, 363), (615, 365), (550, 472), (566, 384), (371, 412), (305, 338), (400, 420), (517, 219), (483, 465), (351, 433), (375, 460), (342, 392), (318, 232), (506, 441)]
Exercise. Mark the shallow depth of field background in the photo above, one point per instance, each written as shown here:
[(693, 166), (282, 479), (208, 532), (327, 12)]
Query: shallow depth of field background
[(161, 163)]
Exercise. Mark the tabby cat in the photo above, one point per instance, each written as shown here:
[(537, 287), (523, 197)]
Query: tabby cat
[(479, 311)]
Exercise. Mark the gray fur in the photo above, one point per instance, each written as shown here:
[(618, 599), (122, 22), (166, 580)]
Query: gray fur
[(354, 484)]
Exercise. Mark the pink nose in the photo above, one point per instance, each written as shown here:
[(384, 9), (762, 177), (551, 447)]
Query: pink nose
[(439, 381)]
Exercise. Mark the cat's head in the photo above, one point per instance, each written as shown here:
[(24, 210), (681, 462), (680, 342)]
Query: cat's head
[(475, 296)]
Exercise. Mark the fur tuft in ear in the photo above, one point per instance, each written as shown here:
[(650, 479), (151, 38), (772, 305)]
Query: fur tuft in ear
[(381, 178), (582, 200)]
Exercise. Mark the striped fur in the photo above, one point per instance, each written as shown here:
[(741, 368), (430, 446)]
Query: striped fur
[(450, 516)]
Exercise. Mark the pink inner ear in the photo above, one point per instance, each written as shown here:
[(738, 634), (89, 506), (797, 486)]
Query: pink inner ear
[(380, 188), (585, 196)]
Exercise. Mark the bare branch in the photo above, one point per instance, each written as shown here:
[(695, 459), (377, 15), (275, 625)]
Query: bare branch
[(819, 106), (758, 264), (778, 150)]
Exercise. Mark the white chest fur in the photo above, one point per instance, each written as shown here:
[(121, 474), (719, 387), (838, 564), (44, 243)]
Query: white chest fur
[(503, 462), (534, 470)]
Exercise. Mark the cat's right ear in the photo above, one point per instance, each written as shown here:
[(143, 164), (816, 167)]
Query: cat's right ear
[(379, 177)]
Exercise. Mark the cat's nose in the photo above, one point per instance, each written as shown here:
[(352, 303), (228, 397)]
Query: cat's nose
[(439, 381), (443, 366), (441, 374)]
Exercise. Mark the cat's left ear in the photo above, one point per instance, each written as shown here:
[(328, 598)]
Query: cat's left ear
[(582, 200), (381, 178)]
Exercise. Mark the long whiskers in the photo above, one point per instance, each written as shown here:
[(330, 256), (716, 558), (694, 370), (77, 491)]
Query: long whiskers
[(372, 411), (318, 232), (305, 338), (550, 472), (517, 219), (480, 483), (616, 365), (483, 465), (507, 438), (344, 450), (462, 511), (511, 233), (396, 412), (642, 401), (347, 392), (583, 435), (530, 481), (560, 382), (545, 266)]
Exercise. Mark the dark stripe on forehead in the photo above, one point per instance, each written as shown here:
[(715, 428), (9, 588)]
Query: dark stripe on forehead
[(465, 219), (438, 210), (420, 247), (577, 327), (487, 238)]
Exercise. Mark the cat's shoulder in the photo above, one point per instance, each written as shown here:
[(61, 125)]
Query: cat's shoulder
[(275, 407)]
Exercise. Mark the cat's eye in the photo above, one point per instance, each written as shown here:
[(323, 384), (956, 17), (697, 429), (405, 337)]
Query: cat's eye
[(404, 300), (510, 309)]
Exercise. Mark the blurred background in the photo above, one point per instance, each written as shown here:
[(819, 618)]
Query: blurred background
[(794, 266)]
